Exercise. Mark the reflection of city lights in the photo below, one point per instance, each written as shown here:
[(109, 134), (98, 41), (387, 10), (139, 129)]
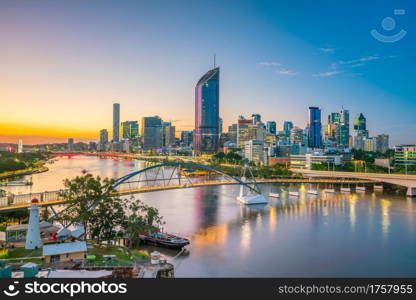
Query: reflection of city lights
[(245, 236), (272, 219), (385, 216), (353, 201), (214, 235)]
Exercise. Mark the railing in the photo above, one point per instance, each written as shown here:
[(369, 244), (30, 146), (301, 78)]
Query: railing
[(27, 198)]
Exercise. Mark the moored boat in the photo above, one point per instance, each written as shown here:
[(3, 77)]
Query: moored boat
[(162, 239)]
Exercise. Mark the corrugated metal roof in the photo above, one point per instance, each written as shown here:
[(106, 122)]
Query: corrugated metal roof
[(63, 248)]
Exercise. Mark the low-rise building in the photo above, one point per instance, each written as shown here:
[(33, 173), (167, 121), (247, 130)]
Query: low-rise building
[(405, 155), (306, 161), (64, 252)]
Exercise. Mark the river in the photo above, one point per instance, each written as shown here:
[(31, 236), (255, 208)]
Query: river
[(334, 235)]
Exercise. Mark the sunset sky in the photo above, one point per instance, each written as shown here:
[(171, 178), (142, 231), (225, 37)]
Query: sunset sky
[(63, 63)]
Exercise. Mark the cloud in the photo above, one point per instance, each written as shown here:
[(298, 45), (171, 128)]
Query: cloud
[(269, 64), (359, 60), (286, 72), (327, 74), (327, 49)]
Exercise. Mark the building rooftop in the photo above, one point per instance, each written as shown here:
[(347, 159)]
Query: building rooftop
[(62, 248)]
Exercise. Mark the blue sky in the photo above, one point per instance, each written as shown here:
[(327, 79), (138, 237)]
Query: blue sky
[(75, 58)]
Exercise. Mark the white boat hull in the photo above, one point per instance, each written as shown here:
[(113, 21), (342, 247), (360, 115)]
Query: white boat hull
[(329, 191), (360, 188), (345, 190), (274, 195), (312, 192), (257, 199), (295, 194)]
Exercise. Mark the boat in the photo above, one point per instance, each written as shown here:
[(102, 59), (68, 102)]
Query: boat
[(360, 188), (162, 239), (274, 195), (312, 192), (345, 190), (378, 187), (295, 194), (329, 191)]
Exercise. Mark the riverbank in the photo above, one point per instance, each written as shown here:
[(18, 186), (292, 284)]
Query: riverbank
[(29, 171)]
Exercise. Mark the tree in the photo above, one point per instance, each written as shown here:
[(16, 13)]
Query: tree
[(88, 198)]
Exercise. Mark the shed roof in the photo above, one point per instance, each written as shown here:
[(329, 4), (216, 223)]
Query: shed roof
[(62, 248)]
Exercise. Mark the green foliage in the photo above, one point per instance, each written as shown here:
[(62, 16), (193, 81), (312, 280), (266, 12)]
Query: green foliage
[(229, 158), (92, 203), (10, 161)]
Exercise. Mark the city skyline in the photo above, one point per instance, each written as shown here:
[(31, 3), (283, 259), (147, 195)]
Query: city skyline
[(62, 73)]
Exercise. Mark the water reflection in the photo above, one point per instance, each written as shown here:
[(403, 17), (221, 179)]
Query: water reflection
[(325, 235)]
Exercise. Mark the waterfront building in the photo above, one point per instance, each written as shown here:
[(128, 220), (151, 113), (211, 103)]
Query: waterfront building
[(151, 132), (254, 151), (307, 160), (314, 127), (116, 122), (130, 129), (70, 145), (382, 143), (271, 127), (103, 139), (405, 155), (206, 137)]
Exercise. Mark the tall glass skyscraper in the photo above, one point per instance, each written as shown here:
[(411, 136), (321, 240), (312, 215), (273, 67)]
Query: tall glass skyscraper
[(315, 128), (116, 122), (207, 94)]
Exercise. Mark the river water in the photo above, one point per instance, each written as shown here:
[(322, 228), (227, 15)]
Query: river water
[(333, 235)]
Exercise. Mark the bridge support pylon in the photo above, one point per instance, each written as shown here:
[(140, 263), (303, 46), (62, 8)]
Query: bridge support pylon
[(411, 192)]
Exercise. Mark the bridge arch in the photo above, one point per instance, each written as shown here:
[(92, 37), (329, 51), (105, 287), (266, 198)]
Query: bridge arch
[(178, 164)]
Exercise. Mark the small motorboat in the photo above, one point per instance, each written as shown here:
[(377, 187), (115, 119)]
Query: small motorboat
[(360, 189), (345, 190), (295, 194), (274, 195), (312, 192), (329, 191), (162, 239)]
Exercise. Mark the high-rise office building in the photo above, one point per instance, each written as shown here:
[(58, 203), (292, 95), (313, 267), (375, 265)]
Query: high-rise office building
[(343, 132), (187, 138), (70, 144), (103, 139), (232, 133), (20, 146), (168, 134), (382, 143), (206, 138), (116, 122), (296, 135), (130, 130), (220, 125), (256, 118), (271, 127), (314, 128), (287, 127), (360, 131), (151, 131), (254, 151)]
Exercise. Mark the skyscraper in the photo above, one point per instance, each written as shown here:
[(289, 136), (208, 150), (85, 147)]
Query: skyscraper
[(271, 127), (207, 112), (314, 127), (287, 127), (116, 122), (343, 132), (360, 131), (151, 132), (103, 139), (70, 144), (130, 129)]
